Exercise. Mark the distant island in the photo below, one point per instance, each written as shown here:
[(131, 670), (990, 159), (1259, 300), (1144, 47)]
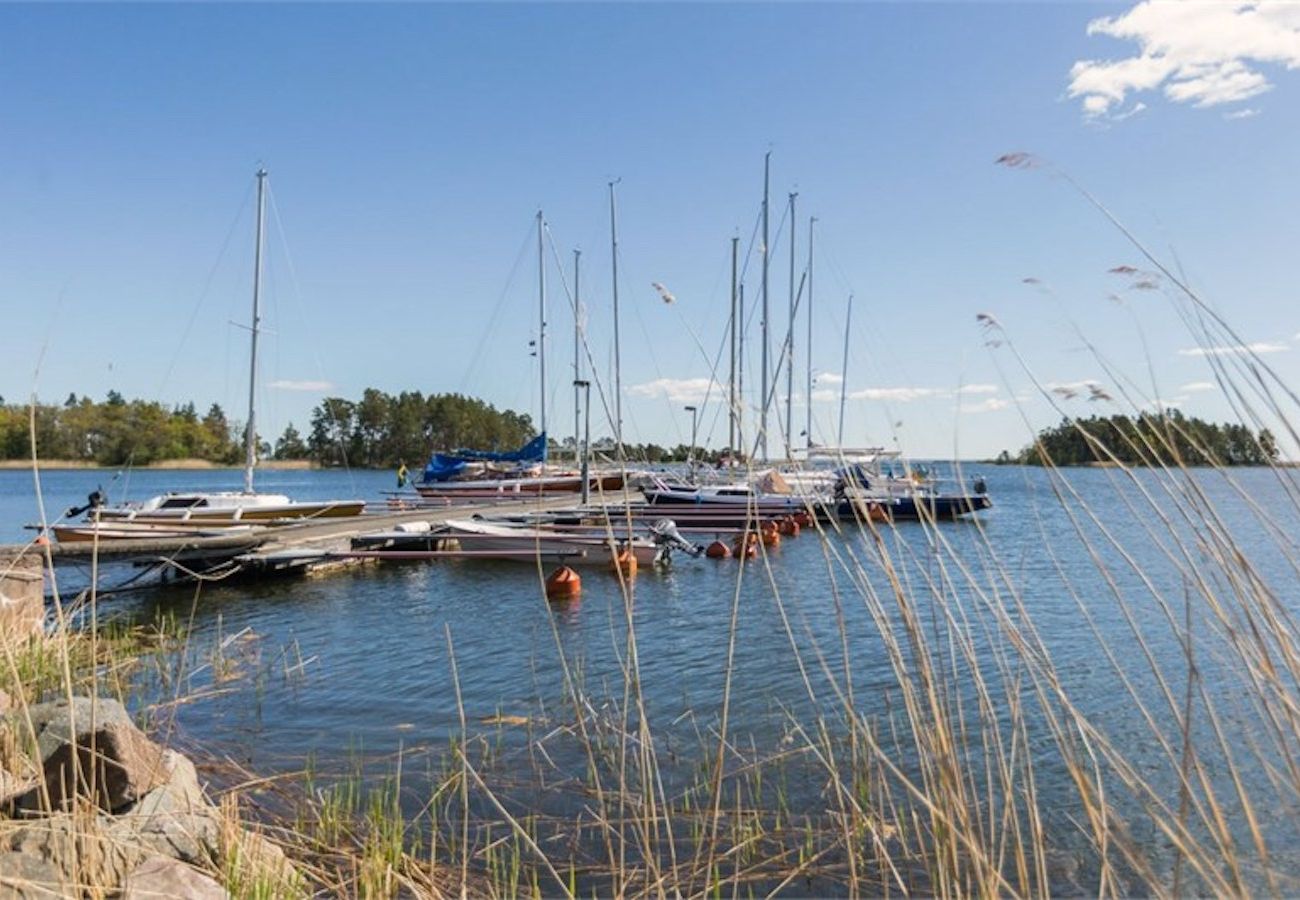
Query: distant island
[(1168, 439)]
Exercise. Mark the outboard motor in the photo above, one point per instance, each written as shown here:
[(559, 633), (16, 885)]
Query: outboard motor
[(980, 486), (667, 537)]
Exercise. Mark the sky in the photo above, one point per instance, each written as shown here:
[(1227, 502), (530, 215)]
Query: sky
[(410, 147)]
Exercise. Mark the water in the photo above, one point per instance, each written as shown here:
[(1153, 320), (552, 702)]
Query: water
[(358, 664)]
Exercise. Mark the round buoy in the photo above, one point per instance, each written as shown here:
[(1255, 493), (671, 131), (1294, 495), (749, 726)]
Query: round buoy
[(771, 536), (717, 550), (788, 527), (624, 561), (746, 546), (41, 540), (803, 519), (563, 584)]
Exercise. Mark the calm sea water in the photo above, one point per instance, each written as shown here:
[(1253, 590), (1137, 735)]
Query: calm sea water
[(359, 663)]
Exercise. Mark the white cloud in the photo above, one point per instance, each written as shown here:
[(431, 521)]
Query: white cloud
[(318, 387), (896, 394), (978, 389), (988, 404), (824, 395), (1197, 387), (1198, 52), (1233, 349), (828, 378), (678, 390), (1248, 113)]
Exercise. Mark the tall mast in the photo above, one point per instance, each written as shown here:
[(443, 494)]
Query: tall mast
[(789, 346), (809, 352), (577, 359), (250, 432), (731, 400), (541, 314), (762, 410), (740, 368), (844, 370), (618, 371)]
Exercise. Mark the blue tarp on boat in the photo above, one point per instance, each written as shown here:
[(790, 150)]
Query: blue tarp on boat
[(444, 466)]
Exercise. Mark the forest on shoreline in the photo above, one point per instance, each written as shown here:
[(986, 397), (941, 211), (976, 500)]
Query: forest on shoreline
[(379, 430), (1169, 439)]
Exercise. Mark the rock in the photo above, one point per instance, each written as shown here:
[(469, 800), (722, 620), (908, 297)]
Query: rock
[(78, 848), (158, 877), (175, 818), (24, 877), (259, 867), (22, 597), (91, 746)]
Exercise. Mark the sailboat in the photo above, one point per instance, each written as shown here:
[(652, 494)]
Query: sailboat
[(215, 508)]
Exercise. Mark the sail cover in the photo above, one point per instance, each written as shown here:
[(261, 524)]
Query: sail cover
[(443, 466)]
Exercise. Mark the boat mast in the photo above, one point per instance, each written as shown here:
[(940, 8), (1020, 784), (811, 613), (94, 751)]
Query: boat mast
[(618, 372), (789, 346), (808, 426), (577, 359), (844, 370), (541, 316), (762, 412), (740, 368), (731, 404), (250, 431)]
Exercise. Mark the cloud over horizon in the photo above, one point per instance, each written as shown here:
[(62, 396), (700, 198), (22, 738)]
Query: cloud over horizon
[(678, 390), (308, 386), (1257, 347), (1205, 54)]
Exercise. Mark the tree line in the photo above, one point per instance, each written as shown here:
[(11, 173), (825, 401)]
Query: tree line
[(378, 430), (1148, 439)]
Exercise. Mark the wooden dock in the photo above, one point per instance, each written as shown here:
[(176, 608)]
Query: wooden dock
[(317, 534)]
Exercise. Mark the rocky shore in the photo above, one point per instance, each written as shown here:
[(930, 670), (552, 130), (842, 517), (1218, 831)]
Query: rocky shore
[(90, 806)]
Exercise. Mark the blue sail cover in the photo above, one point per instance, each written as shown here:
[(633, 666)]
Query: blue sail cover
[(443, 466)]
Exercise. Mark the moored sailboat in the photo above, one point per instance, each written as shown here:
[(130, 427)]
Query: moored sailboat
[(215, 508)]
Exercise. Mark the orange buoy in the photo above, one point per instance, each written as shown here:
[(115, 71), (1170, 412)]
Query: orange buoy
[(788, 526), (41, 540), (803, 519), (718, 550), (746, 546), (624, 561), (771, 536), (563, 584)]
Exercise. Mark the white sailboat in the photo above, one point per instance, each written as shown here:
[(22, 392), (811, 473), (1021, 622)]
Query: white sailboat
[(215, 508)]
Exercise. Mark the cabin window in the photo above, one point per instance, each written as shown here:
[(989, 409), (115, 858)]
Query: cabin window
[(183, 503)]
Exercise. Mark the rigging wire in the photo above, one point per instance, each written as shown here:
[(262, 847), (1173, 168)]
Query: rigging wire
[(315, 346)]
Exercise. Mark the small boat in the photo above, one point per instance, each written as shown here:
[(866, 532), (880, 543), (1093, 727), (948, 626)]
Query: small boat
[(210, 507), (207, 507), (549, 544), (134, 531)]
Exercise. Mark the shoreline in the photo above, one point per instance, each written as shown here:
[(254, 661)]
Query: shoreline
[(173, 464)]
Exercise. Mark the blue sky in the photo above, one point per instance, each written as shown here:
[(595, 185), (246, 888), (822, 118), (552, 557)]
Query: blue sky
[(410, 146)]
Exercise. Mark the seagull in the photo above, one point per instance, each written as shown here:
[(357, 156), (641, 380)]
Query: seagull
[(663, 292)]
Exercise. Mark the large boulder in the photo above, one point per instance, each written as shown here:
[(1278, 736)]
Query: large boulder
[(78, 847), (91, 748), (24, 877), (160, 878), (175, 819)]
